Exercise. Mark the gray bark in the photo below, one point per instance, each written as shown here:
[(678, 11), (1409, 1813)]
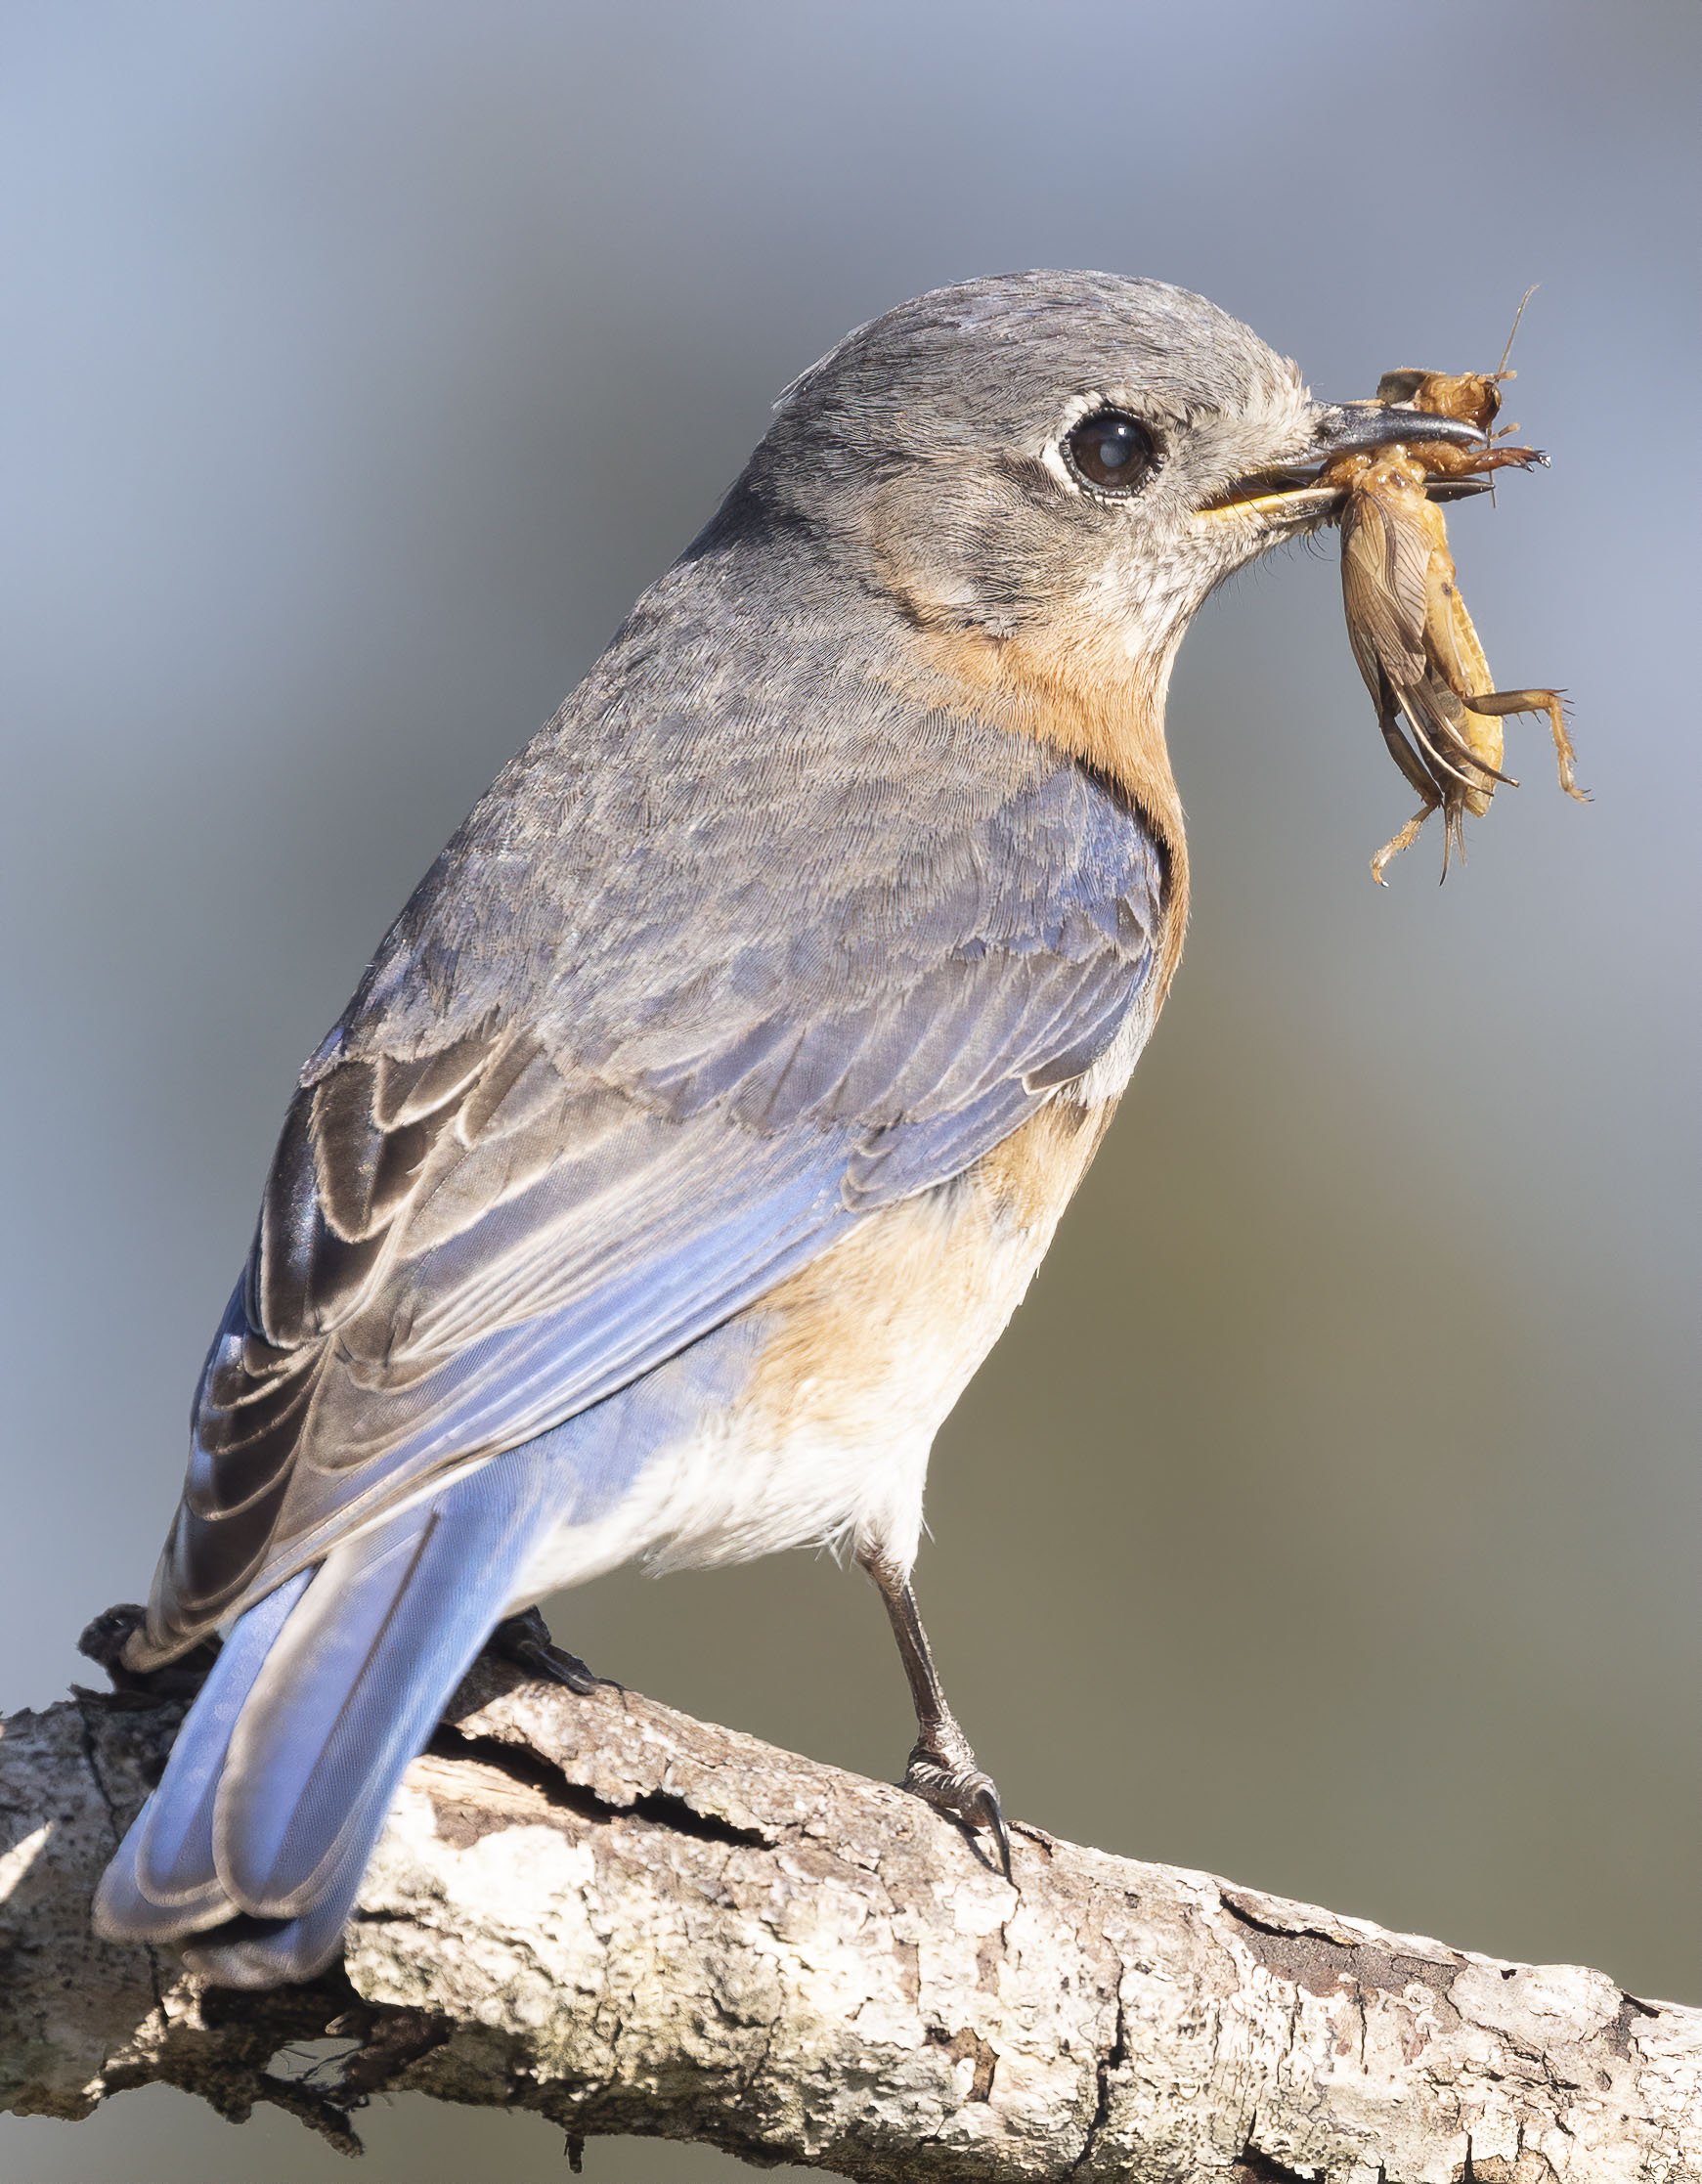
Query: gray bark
[(635, 1922)]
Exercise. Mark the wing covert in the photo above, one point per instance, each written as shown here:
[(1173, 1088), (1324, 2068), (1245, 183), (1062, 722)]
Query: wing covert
[(534, 1160)]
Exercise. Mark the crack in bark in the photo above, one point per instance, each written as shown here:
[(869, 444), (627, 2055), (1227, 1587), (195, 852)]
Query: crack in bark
[(1320, 1962), (1629, 2012), (660, 1807), (1105, 2070), (1253, 2166)]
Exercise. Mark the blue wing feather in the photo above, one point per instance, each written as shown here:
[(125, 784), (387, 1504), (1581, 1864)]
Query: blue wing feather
[(475, 1229)]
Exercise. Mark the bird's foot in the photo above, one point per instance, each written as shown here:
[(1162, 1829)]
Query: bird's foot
[(524, 1639), (942, 1773), (104, 1641)]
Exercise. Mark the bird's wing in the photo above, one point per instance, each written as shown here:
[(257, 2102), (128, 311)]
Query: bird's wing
[(588, 1104)]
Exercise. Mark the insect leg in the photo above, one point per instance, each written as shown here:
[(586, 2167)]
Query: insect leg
[(1405, 757), (1536, 700), (1416, 772), (1396, 842), (1455, 655), (1438, 765), (1444, 460), (1448, 735)]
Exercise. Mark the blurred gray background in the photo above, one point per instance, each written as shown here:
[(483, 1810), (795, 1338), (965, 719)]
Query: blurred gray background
[(1330, 1516)]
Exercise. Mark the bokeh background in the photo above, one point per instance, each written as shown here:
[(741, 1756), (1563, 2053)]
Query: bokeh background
[(1329, 1518)]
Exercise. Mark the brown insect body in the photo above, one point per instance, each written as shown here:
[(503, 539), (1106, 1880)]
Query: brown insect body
[(1470, 398), (1414, 642), (1412, 637)]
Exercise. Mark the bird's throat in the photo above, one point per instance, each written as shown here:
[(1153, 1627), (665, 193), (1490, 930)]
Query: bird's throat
[(1084, 695)]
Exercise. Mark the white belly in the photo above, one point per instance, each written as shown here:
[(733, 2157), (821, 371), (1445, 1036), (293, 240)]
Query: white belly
[(863, 1356)]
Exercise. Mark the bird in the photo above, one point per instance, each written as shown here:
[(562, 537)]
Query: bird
[(702, 1119)]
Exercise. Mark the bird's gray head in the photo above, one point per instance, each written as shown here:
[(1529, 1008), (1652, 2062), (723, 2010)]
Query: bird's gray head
[(1071, 457)]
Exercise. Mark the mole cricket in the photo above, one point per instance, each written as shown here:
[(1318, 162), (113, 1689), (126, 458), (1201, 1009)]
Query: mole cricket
[(1412, 637)]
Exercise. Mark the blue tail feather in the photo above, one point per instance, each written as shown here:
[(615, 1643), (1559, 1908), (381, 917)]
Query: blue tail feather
[(281, 1779), (357, 1681), (163, 1880), (250, 1855), (174, 1861)]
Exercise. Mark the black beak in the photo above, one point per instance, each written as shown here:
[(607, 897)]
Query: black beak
[(1360, 428), (1289, 498)]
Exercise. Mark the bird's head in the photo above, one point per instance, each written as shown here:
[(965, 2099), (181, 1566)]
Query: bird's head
[(1068, 460)]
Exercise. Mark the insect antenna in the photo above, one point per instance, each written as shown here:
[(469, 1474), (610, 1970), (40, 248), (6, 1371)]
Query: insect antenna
[(1500, 372)]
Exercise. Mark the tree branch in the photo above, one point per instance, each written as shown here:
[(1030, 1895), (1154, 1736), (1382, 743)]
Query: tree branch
[(634, 1922)]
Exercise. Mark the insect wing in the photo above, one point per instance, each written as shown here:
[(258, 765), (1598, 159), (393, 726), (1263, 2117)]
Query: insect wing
[(1382, 587)]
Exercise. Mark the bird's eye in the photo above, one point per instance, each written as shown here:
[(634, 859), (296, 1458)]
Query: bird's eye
[(1111, 451)]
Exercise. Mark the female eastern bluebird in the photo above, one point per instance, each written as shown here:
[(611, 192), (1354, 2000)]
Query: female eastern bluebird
[(703, 1117)]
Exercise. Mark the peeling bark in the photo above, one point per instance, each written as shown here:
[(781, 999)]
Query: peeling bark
[(634, 1922)]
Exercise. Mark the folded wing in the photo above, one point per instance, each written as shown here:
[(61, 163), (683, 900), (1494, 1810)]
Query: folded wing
[(599, 1094)]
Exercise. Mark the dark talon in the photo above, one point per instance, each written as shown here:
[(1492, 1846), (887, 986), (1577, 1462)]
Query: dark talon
[(524, 1639), (961, 1793), (1002, 1836)]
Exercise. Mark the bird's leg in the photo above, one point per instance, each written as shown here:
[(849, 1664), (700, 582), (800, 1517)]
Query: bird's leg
[(524, 1639), (942, 1768)]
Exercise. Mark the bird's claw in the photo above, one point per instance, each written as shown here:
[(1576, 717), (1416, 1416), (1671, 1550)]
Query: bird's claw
[(525, 1640), (955, 1786), (104, 1641)]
